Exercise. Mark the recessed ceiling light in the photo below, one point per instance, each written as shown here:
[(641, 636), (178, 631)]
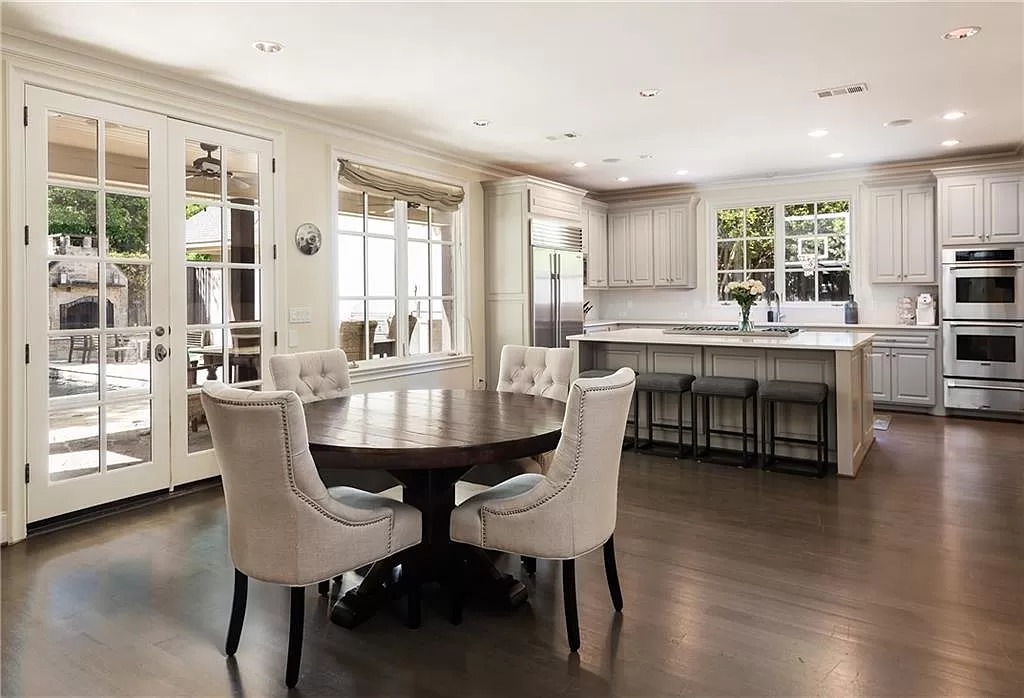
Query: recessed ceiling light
[(267, 46), (623, 179), (899, 122), (571, 134), (817, 133), (579, 163), (611, 160), (961, 33), (681, 172), (650, 92), (954, 115), (481, 122), (646, 156), (950, 142), (836, 155)]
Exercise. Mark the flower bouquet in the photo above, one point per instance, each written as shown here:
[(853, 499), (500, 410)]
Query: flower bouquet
[(745, 293)]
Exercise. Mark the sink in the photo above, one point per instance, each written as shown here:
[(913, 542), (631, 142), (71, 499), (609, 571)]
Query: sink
[(734, 331)]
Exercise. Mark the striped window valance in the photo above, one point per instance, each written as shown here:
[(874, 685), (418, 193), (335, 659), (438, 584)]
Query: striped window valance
[(381, 182)]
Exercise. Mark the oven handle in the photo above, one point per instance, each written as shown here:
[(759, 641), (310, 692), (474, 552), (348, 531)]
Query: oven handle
[(952, 384), (971, 323), (990, 265)]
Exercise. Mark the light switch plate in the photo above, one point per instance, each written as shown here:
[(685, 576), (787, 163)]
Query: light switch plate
[(293, 338), (300, 315)]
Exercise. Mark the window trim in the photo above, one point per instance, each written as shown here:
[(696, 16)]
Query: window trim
[(779, 202), (461, 337)]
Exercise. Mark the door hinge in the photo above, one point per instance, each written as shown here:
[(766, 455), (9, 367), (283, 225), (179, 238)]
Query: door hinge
[(275, 339), (28, 473), (275, 251), (26, 233), (27, 354), (26, 115), (273, 164)]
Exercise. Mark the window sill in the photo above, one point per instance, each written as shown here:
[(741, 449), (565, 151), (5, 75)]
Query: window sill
[(376, 369)]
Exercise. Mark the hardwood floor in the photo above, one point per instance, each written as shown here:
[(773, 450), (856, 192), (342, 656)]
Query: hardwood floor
[(908, 580)]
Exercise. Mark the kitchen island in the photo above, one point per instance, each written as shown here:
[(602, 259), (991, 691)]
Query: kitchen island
[(838, 359)]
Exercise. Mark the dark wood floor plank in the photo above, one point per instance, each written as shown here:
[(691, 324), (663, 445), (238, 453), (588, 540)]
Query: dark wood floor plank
[(908, 580)]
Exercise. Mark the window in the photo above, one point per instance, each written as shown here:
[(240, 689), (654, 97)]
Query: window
[(394, 259), (814, 238)]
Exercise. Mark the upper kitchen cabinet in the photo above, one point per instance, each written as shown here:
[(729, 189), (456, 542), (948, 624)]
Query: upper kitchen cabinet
[(652, 246), (554, 201), (674, 247), (981, 204), (901, 235), (595, 242)]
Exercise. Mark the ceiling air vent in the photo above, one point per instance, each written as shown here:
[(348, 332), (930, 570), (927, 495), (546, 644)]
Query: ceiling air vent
[(854, 89)]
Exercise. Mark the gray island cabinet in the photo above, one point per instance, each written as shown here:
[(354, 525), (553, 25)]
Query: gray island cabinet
[(839, 359)]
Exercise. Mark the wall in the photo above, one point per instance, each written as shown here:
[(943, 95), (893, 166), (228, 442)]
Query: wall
[(877, 302)]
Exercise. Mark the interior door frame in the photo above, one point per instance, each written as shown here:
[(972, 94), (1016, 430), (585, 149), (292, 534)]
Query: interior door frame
[(50, 70)]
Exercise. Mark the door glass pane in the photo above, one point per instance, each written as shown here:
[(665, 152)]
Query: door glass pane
[(350, 210), (127, 225), (380, 215), (71, 221), (203, 232), (128, 293), (72, 153), (204, 294), (380, 267), (442, 313), (442, 225), (204, 348), (72, 365), (384, 332), (244, 355), (353, 332), (198, 430), (202, 170), (245, 295), (74, 296), (442, 279), (74, 443), (243, 236), (419, 269), (243, 177), (127, 153), (417, 222), (350, 265), (419, 340), (129, 429), (128, 362)]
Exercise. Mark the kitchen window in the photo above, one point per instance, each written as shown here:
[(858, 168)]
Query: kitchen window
[(396, 267), (803, 248)]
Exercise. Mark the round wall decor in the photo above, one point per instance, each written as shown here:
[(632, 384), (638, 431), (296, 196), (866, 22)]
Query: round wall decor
[(308, 238)]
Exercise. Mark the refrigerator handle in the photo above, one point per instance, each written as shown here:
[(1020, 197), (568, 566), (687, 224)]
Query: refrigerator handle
[(553, 280), (557, 266)]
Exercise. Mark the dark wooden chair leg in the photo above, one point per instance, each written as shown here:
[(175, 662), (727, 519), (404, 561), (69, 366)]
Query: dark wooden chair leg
[(237, 613), (754, 424), (572, 618), (298, 616), (530, 565), (323, 588), (612, 572)]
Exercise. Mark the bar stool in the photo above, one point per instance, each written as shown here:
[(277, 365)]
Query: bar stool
[(724, 387), (672, 383), (796, 392)]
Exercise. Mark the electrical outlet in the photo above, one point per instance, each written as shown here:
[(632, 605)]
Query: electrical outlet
[(300, 315)]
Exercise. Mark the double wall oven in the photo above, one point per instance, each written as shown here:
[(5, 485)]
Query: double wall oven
[(983, 328)]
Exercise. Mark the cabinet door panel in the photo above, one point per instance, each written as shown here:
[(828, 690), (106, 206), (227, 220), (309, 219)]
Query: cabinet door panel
[(886, 235), (642, 248), (618, 250), (683, 264), (913, 376), (918, 237), (1002, 209), (960, 212), (597, 249), (662, 231), (881, 377)]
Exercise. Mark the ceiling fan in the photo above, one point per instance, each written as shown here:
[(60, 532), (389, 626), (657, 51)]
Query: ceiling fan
[(209, 167)]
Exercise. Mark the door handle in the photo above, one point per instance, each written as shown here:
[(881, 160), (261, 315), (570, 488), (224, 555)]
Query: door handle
[(160, 352), (158, 331)]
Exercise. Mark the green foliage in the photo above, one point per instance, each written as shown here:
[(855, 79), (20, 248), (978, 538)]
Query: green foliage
[(72, 212)]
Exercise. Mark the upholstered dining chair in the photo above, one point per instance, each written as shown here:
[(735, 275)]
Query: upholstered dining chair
[(284, 526), (568, 511), (312, 375)]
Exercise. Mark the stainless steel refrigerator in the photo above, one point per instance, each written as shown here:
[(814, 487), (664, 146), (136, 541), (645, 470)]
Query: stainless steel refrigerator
[(557, 267)]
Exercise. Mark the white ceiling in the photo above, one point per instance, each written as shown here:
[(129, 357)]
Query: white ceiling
[(737, 80)]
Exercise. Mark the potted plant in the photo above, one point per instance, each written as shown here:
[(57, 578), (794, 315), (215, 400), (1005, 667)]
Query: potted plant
[(745, 293)]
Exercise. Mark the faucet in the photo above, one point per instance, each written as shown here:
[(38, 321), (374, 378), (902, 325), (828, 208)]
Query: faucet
[(774, 297)]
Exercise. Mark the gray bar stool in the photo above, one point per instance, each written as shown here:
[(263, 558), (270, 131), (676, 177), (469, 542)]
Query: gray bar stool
[(724, 387), (672, 383), (798, 392)]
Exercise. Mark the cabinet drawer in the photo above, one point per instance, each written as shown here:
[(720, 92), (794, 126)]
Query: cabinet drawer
[(922, 340), (553, 202)]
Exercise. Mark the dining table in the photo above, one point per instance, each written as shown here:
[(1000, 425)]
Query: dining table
[(427, 440)]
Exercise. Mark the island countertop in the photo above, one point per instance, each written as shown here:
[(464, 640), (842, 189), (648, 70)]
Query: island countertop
[(805, 339)]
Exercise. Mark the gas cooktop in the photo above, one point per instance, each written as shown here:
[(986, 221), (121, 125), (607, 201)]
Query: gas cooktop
[(775, 331)]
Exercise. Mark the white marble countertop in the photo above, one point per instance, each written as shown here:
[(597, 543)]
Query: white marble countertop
[(829, 325), (805, 339)]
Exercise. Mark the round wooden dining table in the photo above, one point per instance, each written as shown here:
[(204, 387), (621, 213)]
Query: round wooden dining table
[(428, 439)]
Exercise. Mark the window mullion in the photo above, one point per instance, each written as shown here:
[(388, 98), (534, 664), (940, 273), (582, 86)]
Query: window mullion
[(780, 250), (401, 323)]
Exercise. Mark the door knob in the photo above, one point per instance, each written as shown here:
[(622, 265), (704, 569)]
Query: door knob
[(160, 352), (158, 331)]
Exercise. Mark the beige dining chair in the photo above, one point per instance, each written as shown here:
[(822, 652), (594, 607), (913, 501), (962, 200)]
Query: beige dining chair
[(568, 511), (312, 375), (284, 526)]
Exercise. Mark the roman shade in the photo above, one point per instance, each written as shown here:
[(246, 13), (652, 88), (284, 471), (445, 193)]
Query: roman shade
[(417, 190)]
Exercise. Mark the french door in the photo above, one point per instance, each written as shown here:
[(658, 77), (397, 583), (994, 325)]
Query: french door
[(126, 262)]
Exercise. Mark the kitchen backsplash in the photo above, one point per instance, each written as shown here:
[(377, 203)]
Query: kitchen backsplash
[(878, 304)]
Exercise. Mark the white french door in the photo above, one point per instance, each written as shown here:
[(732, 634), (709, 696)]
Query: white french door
[(146, 276)]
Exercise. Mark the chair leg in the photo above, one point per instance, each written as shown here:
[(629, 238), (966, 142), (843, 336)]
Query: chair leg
[(824, 420), (636, 422), (572, 618), (530, 565), (743, 407), (707, 426), (612, 572), (324, 588), (693, 426), (679, 423), (754, 424), (820, 451), (298, 616), (237, 613), (650, 419)]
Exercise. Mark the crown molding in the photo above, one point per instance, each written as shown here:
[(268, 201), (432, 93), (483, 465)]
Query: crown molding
[(527, 180), (134, 79), (1016, 164)]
